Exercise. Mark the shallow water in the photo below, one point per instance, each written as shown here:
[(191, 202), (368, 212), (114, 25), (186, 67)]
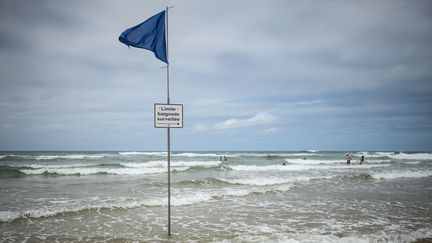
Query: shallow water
[(251, 197)]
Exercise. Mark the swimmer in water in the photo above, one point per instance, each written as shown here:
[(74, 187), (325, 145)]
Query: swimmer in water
[(361, 160), (348, 158)]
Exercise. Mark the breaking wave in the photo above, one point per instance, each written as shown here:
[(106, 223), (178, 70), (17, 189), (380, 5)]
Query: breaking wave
[(271, 181), (322, 162), (300, 167), (151, 167), (185, 198), (144, 153), (10, 172), (394, 155), (414, 156), (402, 174), (55, 157), (174, 154)]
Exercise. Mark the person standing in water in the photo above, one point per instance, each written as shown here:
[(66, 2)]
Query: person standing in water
[(348, 158), (361, 160)]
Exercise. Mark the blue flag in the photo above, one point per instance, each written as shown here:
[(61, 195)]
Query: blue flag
[(149, 35)]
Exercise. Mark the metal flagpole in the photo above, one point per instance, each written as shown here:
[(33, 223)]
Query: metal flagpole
[(168, 132), (150, 31)]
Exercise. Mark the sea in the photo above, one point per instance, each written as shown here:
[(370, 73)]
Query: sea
[(301, 196)]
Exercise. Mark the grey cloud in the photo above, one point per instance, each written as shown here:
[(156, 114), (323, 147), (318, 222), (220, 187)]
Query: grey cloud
[(317, 65)]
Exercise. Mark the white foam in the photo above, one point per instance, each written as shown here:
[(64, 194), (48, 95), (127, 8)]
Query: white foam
[(423, 233), (259, 181), (190, 198), (250, 154), (153, 163), (144, 153), (416, 156), (196, 155), (402, 174), (205, 164), (172, 154), (259, 168), (71, 156), (7, 216), (152, 167), (163, 163), (159, 166), (412, 162), (50, 166), (264, 154), (373, 154), (182, 198), (269, 181), (296, 167), (384, 153), (296, 154), (92, 171), (272, 236), (377, 161), (319, 162), (186, 198), (314, 162)]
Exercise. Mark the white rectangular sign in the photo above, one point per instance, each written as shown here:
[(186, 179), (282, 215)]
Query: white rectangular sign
[(168, 115)]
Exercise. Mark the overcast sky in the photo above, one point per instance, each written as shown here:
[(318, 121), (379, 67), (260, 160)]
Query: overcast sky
[(252, 75)]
